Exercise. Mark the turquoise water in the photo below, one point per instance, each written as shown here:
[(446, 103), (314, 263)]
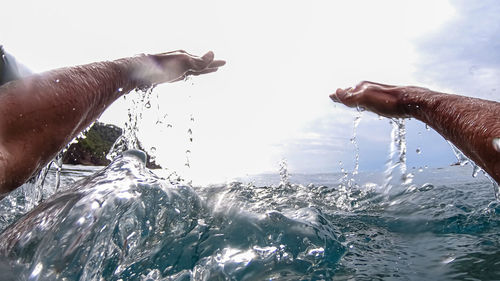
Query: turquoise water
[(126, 223)]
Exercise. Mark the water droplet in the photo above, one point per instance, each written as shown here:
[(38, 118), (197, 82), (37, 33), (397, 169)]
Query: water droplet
[(74, 109), (360, 108), (57, 80), (426, 187), (120, 89), (496, 144), (462, 159), (448, 260), (153, 149), (147, 105), (475, 171), (473, 70), (418, 151), (407, 178), (427, 127), (36, 271), (81, 220)]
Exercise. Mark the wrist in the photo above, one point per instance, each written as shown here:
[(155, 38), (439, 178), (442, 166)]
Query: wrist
[(132, 71)]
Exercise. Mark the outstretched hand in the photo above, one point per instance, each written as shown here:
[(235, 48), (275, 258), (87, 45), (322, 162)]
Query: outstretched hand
[(174, 66), (385, 100)]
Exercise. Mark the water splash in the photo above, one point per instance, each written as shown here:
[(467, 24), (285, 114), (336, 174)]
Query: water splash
[(464, 160), (354, 142), (348, 179), (140, 100), (284, 176), (33, 193), (397, 155), (348, 189), (190, 141), (496, 189), (37, 190), (461, 158), (124, 222)]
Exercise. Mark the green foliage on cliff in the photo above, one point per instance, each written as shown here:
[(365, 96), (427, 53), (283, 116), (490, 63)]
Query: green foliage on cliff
[(92, 149)]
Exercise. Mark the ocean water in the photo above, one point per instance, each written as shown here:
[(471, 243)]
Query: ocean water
[(125, 222)]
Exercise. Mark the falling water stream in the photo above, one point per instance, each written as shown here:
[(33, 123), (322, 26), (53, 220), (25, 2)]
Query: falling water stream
[(397, 155), (140, 101)]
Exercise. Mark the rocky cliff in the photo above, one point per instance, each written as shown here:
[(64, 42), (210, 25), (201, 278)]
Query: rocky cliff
[(92, 149)]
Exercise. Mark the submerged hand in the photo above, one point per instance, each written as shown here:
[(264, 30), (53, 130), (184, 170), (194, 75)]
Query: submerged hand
[(174, 66), (381, 99)]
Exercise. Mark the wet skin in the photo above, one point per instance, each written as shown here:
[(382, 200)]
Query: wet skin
[(471, 124), (42, 113)]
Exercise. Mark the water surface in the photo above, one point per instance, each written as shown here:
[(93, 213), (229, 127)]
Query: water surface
[(126, 223)]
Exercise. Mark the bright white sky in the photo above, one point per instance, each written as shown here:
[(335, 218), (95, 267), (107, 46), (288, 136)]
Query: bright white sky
[(271, 99)]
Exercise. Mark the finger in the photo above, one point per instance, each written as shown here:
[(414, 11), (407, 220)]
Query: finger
[(345, 96), (205, 71), (378, 84), (208, 57), (336, 97), (174, 52), (207, 61), (195, 73), (368, 84), (198, 64), (216, 63)]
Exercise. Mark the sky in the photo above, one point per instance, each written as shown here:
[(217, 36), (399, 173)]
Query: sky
[(270, 102)]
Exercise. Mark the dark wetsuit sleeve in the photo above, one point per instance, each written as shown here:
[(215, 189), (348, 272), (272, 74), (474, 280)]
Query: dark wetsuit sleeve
[(8, 68)]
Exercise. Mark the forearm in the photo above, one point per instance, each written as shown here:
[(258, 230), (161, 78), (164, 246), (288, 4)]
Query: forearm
[(471, 124), (42, 113)]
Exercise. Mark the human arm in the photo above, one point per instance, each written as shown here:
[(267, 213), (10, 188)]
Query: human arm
[(42, 113), (471, 124)]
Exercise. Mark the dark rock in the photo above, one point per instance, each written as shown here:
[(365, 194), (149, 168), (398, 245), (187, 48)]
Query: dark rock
[(92, 149)]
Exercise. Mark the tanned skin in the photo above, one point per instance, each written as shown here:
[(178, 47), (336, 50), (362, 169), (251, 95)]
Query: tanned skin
[(471, 124), (41, 113)]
